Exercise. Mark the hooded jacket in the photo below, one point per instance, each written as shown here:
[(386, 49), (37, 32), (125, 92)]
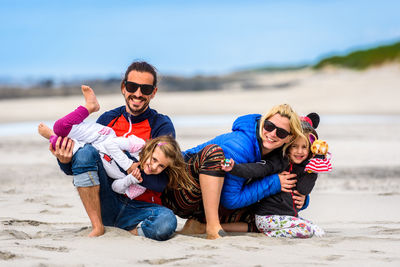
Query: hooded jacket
[(242, 145)]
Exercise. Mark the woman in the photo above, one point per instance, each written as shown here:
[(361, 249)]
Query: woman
[(251, 140)]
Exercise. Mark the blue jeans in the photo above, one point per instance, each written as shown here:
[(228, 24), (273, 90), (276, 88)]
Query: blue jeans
[(152, 220)]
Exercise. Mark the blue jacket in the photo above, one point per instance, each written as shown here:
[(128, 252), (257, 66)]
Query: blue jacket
[(242, 146)]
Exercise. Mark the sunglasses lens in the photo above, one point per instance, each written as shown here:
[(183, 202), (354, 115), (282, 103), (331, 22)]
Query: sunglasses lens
[(131, 87), (269, 126), (147, 89), (281, 133)]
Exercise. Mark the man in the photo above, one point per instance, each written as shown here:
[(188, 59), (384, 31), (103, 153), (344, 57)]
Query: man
[(142, 215)]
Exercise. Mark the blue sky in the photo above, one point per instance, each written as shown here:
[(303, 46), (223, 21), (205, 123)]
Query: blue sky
[(68, 39)]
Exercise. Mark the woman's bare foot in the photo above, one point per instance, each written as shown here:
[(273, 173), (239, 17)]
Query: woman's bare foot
[(215, 233), (193, 227), (92, 105), (45, 131), (98, 231)]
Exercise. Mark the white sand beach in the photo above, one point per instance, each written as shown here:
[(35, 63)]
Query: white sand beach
[(43, 223)]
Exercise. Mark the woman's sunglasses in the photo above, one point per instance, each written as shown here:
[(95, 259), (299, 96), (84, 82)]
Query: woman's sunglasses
[(269, 127), (146, 89)]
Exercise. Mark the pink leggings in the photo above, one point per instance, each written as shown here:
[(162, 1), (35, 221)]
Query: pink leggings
[(63, 126)]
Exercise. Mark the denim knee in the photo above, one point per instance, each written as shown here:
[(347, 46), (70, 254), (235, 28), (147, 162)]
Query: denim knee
[(86, 179), (85, 166), (161, 226), (85, 159)]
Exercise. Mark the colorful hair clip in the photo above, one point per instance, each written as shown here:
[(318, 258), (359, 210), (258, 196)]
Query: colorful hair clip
[(307, 119), (162, 143)]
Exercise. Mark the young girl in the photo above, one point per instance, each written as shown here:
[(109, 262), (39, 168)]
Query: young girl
[(161, 154), (155, 156), (277, 215)]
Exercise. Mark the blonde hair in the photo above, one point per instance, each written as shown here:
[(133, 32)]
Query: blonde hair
[(176, 171), (286, 111), (306, 133)]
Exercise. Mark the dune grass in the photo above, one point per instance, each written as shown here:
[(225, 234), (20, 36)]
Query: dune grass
[(363, 59)]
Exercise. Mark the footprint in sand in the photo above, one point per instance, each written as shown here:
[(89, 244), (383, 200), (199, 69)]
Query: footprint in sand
[(23, 222), (206, 247), (10, 191), (4, 255), (50, 212), (58, 249), (333, 257), (163, 261), (17, 234), (61, 206)]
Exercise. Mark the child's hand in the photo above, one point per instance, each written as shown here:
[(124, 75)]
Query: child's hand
[(132, 167), (136, 173), (287, 181), (227, 164)]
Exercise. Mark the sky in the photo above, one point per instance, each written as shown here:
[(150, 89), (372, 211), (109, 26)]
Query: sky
[(70, 39)]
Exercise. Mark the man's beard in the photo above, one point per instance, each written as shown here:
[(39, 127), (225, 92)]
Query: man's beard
[(136, 112)]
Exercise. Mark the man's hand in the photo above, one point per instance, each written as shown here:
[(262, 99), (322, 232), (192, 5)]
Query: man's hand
[(299, 199), (63, 150), (287, 181)]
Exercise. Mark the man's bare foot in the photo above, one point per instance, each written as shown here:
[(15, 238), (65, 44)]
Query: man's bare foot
[(45, 131), (92, 105), (98, 231), (193, 227)]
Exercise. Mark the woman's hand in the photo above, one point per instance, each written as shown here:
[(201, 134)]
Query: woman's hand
[(287, 181), (63, 150), (299, 199)]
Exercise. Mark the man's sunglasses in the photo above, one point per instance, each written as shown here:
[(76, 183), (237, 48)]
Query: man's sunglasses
[(146, 89), (269, 127)]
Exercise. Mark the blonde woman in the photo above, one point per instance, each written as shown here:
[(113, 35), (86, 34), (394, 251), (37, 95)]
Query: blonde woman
[(253, 138)]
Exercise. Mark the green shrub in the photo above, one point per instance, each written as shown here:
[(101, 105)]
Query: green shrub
[(363, 59)]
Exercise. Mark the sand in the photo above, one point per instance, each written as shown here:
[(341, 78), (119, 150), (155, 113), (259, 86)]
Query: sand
[(43, 223)]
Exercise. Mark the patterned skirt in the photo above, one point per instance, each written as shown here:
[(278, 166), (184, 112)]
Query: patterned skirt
[(189, 204)]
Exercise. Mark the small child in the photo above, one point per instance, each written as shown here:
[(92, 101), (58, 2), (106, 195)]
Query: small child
[(277, 215), (111, 148), (159, 154)]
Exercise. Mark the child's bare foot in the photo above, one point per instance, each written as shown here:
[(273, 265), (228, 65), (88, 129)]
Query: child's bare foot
[(92, 105), (192, 227), (45, 131), (97, 232)]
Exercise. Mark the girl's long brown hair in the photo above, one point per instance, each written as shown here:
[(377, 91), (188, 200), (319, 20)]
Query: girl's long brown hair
[(177, 171)]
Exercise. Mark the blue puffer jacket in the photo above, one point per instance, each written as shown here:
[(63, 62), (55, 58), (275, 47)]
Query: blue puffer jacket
[(242, 146)]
